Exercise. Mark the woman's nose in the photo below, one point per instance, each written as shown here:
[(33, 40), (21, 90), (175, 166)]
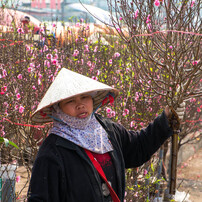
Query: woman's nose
[(80, 106)]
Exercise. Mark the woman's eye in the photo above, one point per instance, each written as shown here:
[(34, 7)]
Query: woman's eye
[(85, 96), (69, 101)]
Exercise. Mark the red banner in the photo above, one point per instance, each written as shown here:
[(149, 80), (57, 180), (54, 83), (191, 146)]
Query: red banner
[(43, 4), (59, 5), (33, 4), (52, 4)]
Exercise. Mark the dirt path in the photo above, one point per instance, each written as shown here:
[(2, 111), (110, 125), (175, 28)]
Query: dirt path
[(190, 177)]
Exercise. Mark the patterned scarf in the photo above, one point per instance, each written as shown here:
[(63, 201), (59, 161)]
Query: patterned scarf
[(87, 132)]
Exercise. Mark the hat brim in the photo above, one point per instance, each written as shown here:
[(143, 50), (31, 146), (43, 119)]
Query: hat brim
[(44, 115)]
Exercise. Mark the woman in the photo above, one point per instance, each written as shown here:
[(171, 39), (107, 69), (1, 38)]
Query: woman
[(85, 155)]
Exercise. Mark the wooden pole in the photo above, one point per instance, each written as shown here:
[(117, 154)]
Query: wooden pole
[(173, 173)]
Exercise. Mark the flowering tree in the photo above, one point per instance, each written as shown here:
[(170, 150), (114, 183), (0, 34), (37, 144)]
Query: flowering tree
[(29, 65), (164, 38)]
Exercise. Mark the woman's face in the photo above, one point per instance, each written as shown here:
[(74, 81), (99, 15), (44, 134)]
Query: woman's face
[(79, 106)]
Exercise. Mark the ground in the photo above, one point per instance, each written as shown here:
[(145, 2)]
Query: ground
[(189, 178)]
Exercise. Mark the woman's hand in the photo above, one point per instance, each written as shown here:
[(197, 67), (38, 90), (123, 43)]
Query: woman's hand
[(175, 116), (180, 111)]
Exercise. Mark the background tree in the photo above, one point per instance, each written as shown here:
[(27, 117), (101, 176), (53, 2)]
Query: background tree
[(164, 38)]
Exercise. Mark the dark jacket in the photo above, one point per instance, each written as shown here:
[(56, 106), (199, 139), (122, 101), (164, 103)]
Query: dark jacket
[(62, 171)]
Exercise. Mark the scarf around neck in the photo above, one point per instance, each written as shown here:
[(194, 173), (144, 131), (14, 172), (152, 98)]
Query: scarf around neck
[(86, 133)]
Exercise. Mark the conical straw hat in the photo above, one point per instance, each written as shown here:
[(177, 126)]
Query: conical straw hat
[(68, 84)]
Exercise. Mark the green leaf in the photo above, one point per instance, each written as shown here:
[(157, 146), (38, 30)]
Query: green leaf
[(6, 141), (152, 167)]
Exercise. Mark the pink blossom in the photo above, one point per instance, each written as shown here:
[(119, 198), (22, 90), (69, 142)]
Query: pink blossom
[(40, 76), (21, 109), (116, 55), (145, 172), (39, 81), (157, 3), (18, 96), (2, 93), (87, 27), (81, 20), (126, 111), (136, 97), (86, 48), (20, 30), (56, 56), (110, 61), (198, 109), (136, 13), (148, 19), (4, 88), (142, 124), (32, 65), (150, 109), (77, 24), (95, 49), (76, 52), (54, 61), (120, 18), (6, 104), (108, 110), (27, 48), (94, 78), (192, 3), (4, 73), (113, 113), (49, 56), (89, 63), (29, 69), (34, 87), (41, 30), (109, 115), (171, 47), (45, 48), (98, 72), (132, 123), (16, 107), (47, 63), (195, 62), (118, 29), (54, 25), (18, 178), (149, 26)]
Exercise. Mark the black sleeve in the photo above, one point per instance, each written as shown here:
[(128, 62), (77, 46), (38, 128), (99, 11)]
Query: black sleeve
[(46, 180), (138, 146)]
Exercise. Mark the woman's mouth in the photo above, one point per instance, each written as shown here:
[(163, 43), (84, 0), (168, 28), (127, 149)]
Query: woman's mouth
[(82, 115)]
